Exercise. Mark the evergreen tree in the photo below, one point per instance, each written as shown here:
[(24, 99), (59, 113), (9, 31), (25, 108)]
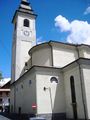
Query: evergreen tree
[(1, 77)]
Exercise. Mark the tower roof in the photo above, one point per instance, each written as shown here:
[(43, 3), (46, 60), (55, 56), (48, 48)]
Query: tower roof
[(24, 7)]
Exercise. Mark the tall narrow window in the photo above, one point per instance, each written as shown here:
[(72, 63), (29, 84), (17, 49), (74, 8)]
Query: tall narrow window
[(72, 89), (73, 97), (26, 22)]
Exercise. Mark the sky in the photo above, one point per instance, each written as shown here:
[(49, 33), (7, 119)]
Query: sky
[(58, 20)]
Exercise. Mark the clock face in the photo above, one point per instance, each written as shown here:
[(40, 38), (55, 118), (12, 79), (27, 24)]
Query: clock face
[(26, 33)]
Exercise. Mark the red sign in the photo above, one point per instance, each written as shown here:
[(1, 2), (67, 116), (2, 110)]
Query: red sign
[(34, 106)]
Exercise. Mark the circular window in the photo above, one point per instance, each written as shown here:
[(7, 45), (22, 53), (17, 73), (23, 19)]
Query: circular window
[(54, 79)]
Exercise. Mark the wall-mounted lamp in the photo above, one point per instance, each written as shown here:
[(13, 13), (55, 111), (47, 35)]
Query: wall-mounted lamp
[(44, 88), (49, 89)]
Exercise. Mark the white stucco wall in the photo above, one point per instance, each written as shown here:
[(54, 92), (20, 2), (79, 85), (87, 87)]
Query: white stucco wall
[(23, 44), (24, 56), (80, 109), (53, 99), (34, 92), (13, 67), (84, 51), (25, 94), (21, 28), (86, 76), (42, 57), (63, 55)]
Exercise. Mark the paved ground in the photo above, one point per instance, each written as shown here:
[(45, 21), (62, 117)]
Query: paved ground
[(3, 118)]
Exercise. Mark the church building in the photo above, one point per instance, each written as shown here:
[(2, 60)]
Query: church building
[(51, 79)]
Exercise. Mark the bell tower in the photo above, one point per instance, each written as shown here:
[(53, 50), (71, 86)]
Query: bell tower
[(24, 37)]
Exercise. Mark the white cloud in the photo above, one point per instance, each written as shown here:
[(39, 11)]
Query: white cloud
[(62, 23), (39, 40), (79, 31), (87, 11)]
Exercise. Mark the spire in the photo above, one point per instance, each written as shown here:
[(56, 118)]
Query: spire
[(25, 7), (25, 2)]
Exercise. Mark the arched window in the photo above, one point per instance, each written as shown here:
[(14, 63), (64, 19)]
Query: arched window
[(26, 22), (54, 79)]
